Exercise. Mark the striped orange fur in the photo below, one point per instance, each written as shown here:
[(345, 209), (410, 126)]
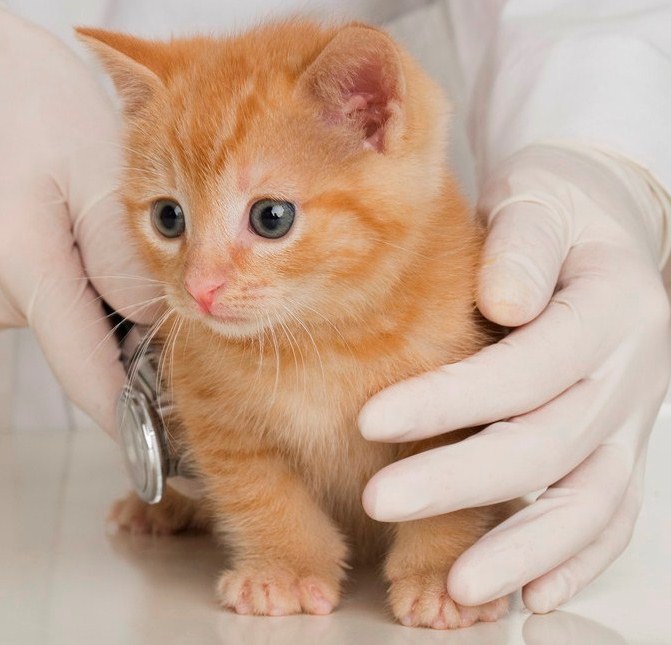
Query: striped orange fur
[(375, 282)]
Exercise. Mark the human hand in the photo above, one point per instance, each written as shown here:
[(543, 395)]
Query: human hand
[(63, 242), (571, 261)]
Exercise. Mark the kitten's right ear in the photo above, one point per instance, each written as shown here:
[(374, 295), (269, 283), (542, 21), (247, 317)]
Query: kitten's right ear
[(359, 83), (132, 63)]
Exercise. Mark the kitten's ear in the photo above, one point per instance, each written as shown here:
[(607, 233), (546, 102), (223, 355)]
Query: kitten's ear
[(133, 64), (358, 81)]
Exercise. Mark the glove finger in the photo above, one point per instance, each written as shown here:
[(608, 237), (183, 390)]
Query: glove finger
[(526, 246), (72, 329), (112, 265), (485, 468), (107, 250), (561, 522), (562, 583), (518, 374)]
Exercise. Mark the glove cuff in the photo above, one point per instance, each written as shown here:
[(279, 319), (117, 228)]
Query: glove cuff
[(654, 201), (565, 176)]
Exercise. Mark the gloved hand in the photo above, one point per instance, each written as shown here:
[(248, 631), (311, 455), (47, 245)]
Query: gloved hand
[(571, 261), (62, 240)]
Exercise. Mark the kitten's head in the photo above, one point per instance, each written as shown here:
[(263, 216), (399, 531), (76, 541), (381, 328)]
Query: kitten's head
[(281, 176)]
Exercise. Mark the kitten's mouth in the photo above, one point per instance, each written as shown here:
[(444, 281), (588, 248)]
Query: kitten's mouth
[(225, 317), (222, 318), (223, 313)]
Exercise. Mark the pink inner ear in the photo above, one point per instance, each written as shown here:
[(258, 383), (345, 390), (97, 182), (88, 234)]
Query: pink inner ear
[(372, 115), (366, 96), (358, 79)]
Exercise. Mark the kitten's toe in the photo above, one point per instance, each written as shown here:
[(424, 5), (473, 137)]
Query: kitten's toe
[(487, 613), (276, 592), (317, 596), (248, 592), (421, 600), (131, 514)]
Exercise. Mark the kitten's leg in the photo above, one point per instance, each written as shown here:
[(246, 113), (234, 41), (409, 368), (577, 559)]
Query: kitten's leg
[(174, 513), (288, 554), (420, 558)]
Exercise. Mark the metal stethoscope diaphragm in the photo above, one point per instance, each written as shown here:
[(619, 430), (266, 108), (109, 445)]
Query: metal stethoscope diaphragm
[(142, 411)]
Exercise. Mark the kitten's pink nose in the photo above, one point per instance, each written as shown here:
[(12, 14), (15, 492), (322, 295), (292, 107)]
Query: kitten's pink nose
[(203, 292)]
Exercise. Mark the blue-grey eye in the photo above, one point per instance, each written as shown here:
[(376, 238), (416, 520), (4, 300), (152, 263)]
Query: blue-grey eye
[(168, 218), (271, 218)]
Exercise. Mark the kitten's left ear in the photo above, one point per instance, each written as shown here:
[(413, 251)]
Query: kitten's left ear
[(134, 64), (358, 82)]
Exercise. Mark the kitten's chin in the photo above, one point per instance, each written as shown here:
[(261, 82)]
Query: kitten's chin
[(233, 328)]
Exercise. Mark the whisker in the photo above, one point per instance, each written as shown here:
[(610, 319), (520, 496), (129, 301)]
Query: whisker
[(304, 370), (312, 340), (142, 350), (277, 358), (96, 349), (134, 309), (121, 277), (299, 305), (405, 249)]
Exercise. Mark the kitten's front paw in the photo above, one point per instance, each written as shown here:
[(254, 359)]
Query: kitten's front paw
[(274, 591), (174, 513), (421, 600)]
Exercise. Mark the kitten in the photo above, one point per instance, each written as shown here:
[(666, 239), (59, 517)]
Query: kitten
[(289, 187)]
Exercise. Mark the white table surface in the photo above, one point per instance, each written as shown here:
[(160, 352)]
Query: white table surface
[(65, 579)]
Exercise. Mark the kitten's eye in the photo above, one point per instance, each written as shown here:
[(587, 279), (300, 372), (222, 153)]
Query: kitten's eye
[(272, 218), (168, 218)]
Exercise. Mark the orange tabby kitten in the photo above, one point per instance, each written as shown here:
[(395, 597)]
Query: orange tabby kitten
[(289, 188)]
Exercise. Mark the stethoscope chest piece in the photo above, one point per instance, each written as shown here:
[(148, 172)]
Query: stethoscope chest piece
[(141, 410), (141, 444)]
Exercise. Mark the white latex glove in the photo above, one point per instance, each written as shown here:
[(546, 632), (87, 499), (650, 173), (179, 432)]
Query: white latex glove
[(572, 261), (61, 227)]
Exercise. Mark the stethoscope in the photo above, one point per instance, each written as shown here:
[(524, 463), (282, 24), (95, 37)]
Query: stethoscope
[(142, 410)]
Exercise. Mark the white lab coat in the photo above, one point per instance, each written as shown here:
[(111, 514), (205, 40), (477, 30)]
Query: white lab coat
[(518, 71)]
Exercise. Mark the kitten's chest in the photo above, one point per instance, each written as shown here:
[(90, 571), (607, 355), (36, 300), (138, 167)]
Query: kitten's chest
[(311, 413), (304, 407), (316, 427)]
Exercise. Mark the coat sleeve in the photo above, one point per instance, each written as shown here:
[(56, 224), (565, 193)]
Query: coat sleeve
[(595, 73)]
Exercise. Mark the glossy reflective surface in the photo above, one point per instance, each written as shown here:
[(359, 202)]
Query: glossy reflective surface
[(66, 579)]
